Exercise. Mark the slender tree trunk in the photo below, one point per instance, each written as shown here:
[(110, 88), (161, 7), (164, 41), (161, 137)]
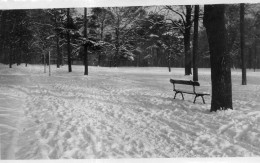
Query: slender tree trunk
[(250, 58), (195, 42), (49, 57), (85, 46), (11, 57), (255, 60), (2, 29), (68, 41), (117, 48), (110, 62), (214, 21), (58, 51), (19, 55), (169, 61), (117, 43), (158, 57), (3, 51), (101, 38), (17, 59), (139, 60), (187, 40), (57, 43), (99, 58), (26, 59), (242, 42), (61, 57), (44, 62)]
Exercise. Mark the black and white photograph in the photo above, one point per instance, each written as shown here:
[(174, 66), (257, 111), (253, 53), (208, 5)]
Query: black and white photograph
[(129, 81)]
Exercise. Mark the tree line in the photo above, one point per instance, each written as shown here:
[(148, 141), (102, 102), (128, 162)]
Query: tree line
[(122, 36), (216, 36)]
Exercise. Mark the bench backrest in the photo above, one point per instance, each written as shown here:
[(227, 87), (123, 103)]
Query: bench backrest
[(186, 82)]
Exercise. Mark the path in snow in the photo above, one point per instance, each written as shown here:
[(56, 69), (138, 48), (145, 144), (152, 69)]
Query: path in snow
[(122, 113), (11, 109)]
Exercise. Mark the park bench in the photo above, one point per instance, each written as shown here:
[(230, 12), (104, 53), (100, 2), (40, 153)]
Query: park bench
[(186, 82)]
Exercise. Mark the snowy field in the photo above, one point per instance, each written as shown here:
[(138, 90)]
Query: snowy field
[(121, 113)]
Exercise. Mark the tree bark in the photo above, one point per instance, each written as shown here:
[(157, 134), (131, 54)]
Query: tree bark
[(187, 40), (85, 46), (242, 42), (68, 41), (195, 42), (214, 21)]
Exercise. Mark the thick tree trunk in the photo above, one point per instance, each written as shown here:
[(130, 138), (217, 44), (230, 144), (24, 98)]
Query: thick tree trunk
[(187, 41), (242, 42), (195, 42), (85, 47), (68, 41), (214, 21)]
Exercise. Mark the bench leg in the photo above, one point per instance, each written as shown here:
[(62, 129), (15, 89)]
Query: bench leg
[(175, 95), (182, 96), (195, 99), (203, 99), (180, 93)]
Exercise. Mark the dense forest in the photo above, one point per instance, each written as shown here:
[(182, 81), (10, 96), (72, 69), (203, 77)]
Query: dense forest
[(161, 36)]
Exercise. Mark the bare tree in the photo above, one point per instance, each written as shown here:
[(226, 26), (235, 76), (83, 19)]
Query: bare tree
[(242, 42), (85, 46), (184, 25), (68, 41), (122, 20)]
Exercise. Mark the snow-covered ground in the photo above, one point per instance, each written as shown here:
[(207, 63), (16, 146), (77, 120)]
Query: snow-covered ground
[(121, 113)]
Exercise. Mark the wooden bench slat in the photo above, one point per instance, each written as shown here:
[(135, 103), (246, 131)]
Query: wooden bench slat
[(202, 93), (191, 92), (185, 82), (184, 91)]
